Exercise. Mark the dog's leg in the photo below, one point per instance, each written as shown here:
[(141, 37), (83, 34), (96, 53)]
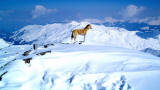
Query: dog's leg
[(75, 39), (84, 38)]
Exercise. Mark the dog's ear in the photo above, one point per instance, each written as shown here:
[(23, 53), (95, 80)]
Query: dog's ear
[(89, 25)]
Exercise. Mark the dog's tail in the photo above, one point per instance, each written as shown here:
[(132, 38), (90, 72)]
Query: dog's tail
[(72, 36)]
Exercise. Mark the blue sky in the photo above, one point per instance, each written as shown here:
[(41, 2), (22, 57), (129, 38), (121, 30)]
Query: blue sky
[(15, 14)]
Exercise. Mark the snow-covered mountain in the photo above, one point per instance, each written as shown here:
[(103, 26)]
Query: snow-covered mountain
[(100, 34), (3, 43), (108, 60)]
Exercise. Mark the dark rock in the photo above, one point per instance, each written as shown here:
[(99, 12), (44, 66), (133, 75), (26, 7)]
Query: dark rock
[(26, 53), (27, 60), (43, 53), (2, 75), (35, 46)]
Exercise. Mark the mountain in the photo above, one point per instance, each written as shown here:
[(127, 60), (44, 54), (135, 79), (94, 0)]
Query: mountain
[(3, 43), (109, 59), (145, 31), (100, 34)]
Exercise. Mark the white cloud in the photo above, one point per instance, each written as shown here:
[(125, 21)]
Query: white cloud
[(40, 10), (93, 20), (106, 19), (129, 14), (148, 20), (110, 20), (131, 11), (155, 21)]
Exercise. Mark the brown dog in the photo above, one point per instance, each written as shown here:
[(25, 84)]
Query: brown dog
[(80, 32)]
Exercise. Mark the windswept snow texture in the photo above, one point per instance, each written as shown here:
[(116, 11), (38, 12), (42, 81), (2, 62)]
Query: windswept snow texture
[(99, 35), (79, 67), (3, 43)]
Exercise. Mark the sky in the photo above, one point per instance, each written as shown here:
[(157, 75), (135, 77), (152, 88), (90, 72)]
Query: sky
[(15, 14)]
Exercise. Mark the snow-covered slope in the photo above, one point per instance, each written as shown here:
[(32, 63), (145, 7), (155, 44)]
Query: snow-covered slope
[(79, 67), (99, 35), (106, 61), (3, 43), (152, 51)]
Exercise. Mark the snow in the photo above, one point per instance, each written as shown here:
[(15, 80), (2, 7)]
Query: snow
[(80, 67), (108, 60), (152, 51), (3, 43), (99, 35)]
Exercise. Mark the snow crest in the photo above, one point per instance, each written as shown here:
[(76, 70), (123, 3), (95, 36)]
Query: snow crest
[(3, 43), (99, 35)]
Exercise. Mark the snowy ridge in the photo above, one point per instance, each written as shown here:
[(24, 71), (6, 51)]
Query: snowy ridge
[(80, 67), (3, 43), (99, 35)]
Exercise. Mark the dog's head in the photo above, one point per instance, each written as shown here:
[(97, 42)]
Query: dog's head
[(89, 26)]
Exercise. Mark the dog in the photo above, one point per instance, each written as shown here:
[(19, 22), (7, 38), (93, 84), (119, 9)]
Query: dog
[(76, 32)]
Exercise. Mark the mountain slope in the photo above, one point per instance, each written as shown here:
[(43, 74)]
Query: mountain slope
[(3, 43), (108, 60), (81, 67), (100, 35)]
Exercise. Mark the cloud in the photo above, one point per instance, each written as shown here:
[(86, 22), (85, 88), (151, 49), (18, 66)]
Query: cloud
[(129, 15), (147, 20), (40, 10), (155, 21), (106, 19), (131, 11), (93, 20), (110, 20)]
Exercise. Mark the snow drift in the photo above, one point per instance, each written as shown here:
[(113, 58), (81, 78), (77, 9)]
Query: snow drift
[(100, 34), (80, 67)]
